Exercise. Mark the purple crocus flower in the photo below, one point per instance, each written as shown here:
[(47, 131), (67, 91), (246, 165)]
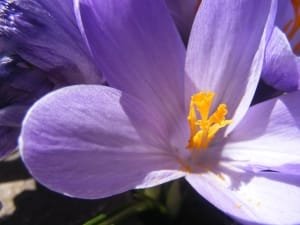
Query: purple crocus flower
[(45, 34), (172, 112), (41, 49)]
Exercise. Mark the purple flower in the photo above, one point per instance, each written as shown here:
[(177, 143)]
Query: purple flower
[(41, 49), (281, 69), (172, 112), (282, 63), (20, 86), (45, 34)]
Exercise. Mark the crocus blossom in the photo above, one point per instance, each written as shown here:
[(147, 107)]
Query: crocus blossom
[(45, 34), (172, 112), (41, 49)]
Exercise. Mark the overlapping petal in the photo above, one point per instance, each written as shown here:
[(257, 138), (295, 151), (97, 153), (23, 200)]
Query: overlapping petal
[(20, 86), (183, 13), (285, 13), (281, 67), (45, 34), (140, 50), (226, 49), (286, 20), (264, 198), (268, 138), (102, 142), (10, 120), (8, 141)]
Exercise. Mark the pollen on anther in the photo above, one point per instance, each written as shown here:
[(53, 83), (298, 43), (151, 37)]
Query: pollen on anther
[(203, 126)]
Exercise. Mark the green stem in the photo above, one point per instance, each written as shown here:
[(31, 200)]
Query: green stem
[(135, 208), (96, 220)]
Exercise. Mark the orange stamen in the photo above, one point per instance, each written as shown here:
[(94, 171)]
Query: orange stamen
[(203, 130)]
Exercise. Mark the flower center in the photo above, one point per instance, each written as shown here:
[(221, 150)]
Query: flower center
[(203, 126), (293, 25)]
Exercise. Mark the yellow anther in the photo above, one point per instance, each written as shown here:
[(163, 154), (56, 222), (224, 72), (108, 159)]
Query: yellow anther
[(203, 127)]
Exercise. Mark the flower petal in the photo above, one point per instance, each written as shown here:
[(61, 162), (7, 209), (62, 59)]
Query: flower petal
[(226, 49), (159, 177), (265, 198), (269, 135), (140, 50), (19, 88), (8, 141), (45, 34), (101, 143), (286, 16), (183, 13), (10, 125), (285, 13), (12, 116), (281, 67)]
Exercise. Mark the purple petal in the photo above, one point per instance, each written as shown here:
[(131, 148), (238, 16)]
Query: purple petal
[(140, 50), (267, 198), (12, 116), (285, 13), (281, 67), (10, 125), (225, 51), (159, 177), (183, 13), (269, 135), (45, 34), (285, 21), (19, 88), (101, 143), (8, 140), (289, 168)]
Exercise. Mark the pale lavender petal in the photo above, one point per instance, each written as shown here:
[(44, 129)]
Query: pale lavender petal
[(45, 34), (289, 168), (183, 13), (159, 177), (265, 198), (268, 138), (102, 142), (226, 49), (140, 50), (281, 67)]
